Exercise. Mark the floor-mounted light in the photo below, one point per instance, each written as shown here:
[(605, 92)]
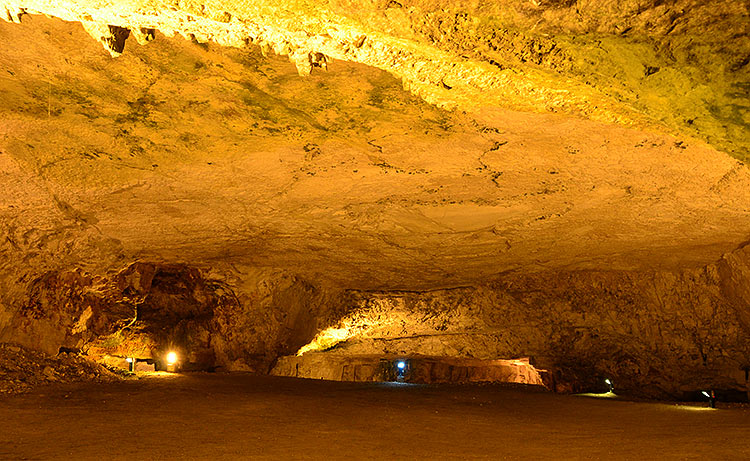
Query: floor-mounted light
[(172, 358), (400, 369), (711, 398)]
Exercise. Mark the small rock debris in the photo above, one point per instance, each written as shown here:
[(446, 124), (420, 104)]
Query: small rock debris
[(22, 369)]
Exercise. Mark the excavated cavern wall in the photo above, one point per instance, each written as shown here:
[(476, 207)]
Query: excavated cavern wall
[(682, 64), (657, 334), (417, 370), (146, 309)]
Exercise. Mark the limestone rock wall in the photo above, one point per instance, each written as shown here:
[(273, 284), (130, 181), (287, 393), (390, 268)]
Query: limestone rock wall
[(146, 309), (659, 333), (574, 157), (653, 333), (418, 370), (271, 317)]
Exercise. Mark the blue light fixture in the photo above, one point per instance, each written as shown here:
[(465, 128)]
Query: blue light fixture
[(401, 364)]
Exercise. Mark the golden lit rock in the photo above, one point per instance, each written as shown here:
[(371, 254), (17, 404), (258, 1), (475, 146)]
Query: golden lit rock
[(307, 185)]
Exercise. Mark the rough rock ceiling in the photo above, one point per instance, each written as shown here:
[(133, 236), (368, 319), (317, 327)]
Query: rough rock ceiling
[(430, 153)]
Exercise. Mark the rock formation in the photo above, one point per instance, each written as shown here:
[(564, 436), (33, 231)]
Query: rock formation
[(563, 180)]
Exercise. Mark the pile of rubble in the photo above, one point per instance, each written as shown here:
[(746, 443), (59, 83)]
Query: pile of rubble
[(22, 369)]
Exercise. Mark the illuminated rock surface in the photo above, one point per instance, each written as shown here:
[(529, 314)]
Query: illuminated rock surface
[(416, 369), (560, 180)]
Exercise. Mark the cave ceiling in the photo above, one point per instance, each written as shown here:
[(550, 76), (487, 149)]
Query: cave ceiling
[(373, 144)]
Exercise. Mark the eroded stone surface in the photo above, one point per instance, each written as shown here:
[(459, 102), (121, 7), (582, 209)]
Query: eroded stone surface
[(653, 333), (174, 152), (584, 168), (417, 369), (146, 310)]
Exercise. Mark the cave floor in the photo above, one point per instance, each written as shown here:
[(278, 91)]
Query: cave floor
[(231, 416)]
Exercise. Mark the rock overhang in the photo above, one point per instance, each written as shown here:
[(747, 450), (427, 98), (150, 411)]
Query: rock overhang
[(192, 152)]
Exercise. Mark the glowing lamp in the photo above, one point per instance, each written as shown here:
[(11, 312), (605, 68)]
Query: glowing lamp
[(708, 396), (129, 360), (401, 365), (171, 358)]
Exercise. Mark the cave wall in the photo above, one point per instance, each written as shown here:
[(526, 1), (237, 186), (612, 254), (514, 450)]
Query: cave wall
[(660, 334), (271, 316), (418, 370), (210, 148), (145, 309)]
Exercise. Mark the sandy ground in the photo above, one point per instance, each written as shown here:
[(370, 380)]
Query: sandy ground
[(218, 416)]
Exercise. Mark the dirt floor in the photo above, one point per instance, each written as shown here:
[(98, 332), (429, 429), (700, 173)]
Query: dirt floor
[(232, 416)]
